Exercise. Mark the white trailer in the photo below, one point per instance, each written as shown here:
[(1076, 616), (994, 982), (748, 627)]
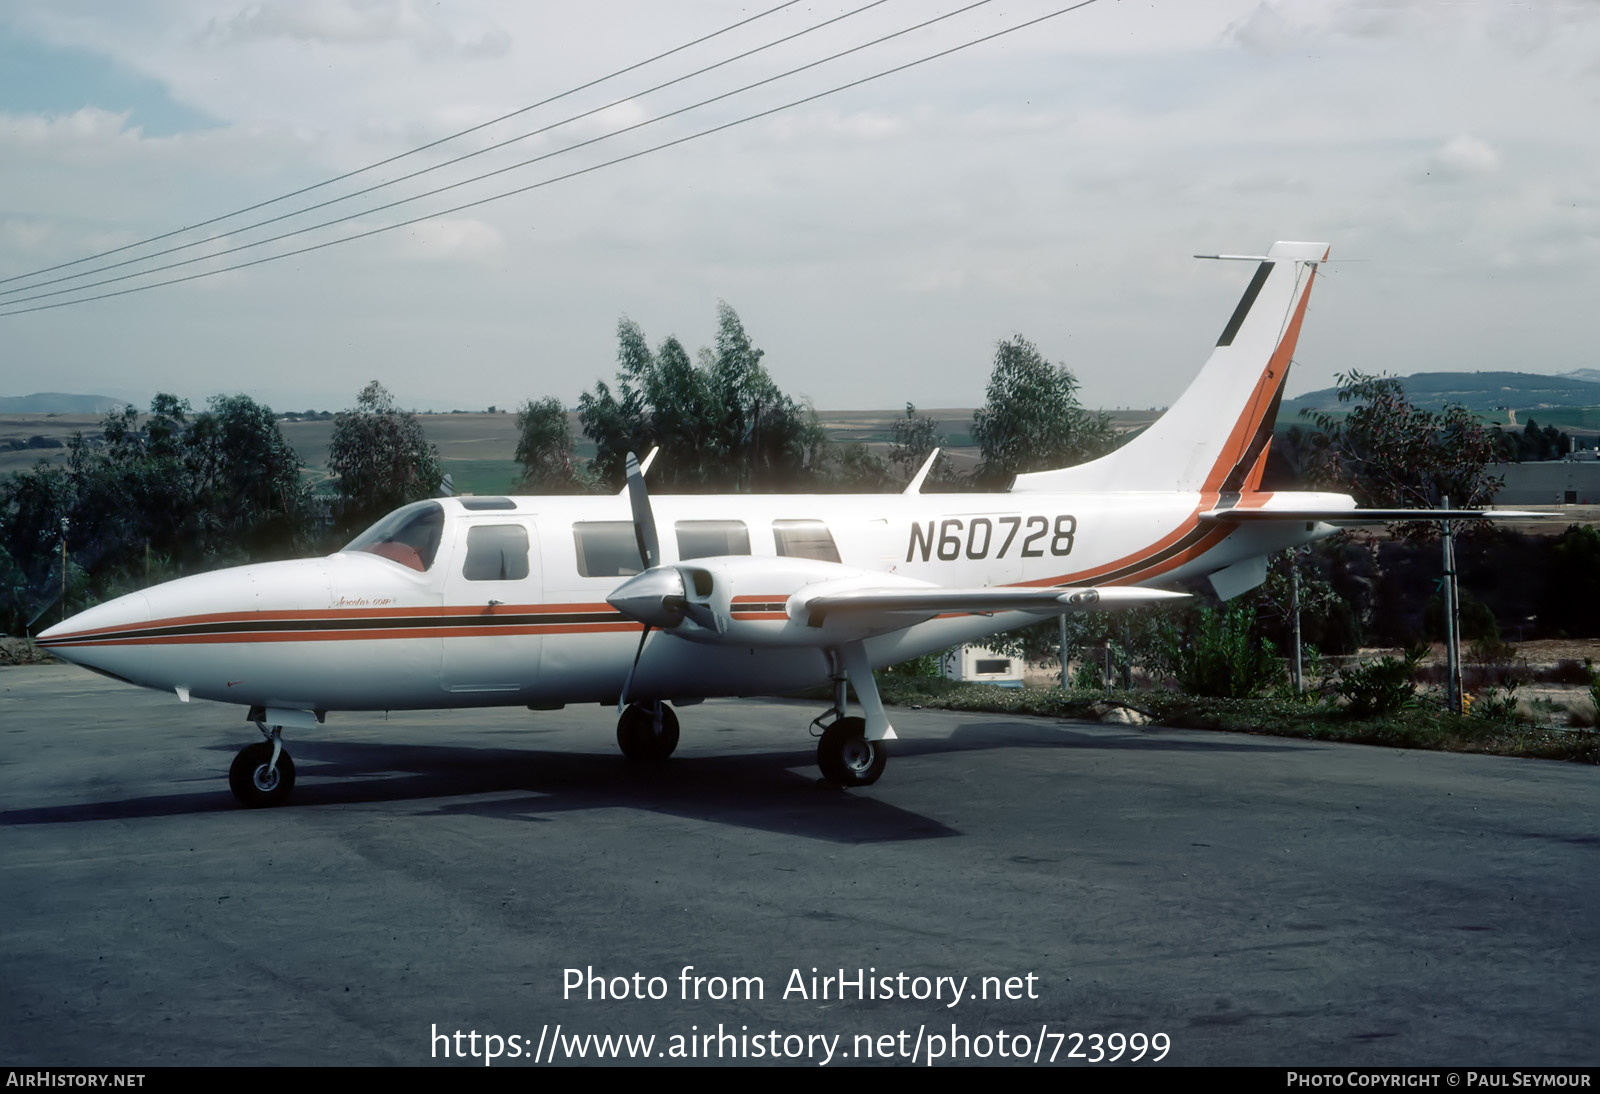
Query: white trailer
[(981, 665)]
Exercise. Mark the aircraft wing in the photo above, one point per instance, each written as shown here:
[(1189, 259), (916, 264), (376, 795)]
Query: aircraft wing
[(1365, 516), (936, 601)]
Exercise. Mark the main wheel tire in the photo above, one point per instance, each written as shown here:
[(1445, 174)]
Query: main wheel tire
[(846, 757), (640, 739), (253, 784)]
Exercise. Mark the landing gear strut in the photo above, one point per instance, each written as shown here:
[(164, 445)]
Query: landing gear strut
[(844, 754), (647, 733), (262, 774)]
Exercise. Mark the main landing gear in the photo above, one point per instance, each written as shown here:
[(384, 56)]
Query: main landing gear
[(846, 757), (647, 733), (844, 754), (262, 774)]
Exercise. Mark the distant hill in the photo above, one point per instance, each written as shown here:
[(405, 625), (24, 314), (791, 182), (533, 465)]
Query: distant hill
[(1490, 394), (54, 402)]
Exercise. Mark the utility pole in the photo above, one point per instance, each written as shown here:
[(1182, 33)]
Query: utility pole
[(65, 523), (1294, 602), (1062, 650), (1452, 619)]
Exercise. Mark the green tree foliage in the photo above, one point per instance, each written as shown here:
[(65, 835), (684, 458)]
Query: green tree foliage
[(914, 436), (1531, 443), (175, 493), (1032, 420), (1571, 602), (381, 458), (722, 423), (857, 470), (545, 449), (1387, 453), (1327, 620)]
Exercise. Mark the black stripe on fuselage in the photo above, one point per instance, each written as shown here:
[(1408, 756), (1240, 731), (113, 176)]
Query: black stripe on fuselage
[(380, 623), (1235, 480), (1183, 543), (1245, 301)]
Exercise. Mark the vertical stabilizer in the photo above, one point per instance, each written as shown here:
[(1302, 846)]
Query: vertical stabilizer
[(1215, 437)]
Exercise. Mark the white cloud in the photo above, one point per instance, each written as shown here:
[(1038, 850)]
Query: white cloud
[(876, 243), (454, 239), (1465, 155), (353, 23)]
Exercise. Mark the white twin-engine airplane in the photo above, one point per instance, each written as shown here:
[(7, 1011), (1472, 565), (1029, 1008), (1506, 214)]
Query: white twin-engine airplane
[(499, 601)]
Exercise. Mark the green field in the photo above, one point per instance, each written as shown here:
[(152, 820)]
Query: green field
[(482, 476), (1563, 417)]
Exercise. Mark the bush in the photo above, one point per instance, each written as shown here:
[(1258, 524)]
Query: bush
[(1384, 686), (1221, 657)]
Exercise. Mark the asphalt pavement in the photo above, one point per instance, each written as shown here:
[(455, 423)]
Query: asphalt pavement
[(1202, 898)]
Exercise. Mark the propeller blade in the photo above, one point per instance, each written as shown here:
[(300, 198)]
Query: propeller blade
[(705, 617), (622, 700), (644, 521)]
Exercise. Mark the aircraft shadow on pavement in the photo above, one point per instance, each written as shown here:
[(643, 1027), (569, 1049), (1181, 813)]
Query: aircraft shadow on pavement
[(1038, 733), (773, 791), (751, 790)]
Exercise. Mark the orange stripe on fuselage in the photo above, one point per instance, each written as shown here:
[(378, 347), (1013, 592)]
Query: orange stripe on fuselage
[(1267, 384), (352, 635), (291, 615)]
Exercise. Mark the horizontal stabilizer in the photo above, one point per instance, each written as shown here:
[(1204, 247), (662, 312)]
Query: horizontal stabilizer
[(1365, 516)]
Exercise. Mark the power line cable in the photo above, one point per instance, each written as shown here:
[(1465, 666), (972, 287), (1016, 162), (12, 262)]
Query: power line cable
[(404, 178), (486, 175), (409, 152), (558, 178)]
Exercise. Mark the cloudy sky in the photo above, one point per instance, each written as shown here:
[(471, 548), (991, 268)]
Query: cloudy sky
[(877, 242)]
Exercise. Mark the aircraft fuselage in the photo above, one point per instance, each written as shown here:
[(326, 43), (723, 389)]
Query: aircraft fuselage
[(362, 631)]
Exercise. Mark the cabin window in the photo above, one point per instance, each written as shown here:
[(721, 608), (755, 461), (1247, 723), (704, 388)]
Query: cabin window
[(804, 539), (607, 548), (409, 536), (711, 538), (496, 552)]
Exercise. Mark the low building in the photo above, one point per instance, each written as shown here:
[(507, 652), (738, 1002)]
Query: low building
[(1549, 482)]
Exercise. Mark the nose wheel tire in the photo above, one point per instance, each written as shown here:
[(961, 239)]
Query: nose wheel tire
[(643, 737), (846, 757), (254, 783)]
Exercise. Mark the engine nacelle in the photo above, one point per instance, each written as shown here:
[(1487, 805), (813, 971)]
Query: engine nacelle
[(740, 600)]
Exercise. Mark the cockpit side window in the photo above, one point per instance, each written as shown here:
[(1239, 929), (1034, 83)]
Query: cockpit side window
[(804, 539), (496, 552), (409, 536)]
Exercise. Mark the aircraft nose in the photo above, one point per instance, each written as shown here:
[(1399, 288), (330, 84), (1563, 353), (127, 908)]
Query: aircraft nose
[(77, 638)]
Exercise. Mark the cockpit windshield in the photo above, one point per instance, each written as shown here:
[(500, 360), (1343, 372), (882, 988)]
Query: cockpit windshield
[(409, 536)]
